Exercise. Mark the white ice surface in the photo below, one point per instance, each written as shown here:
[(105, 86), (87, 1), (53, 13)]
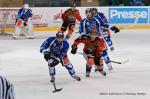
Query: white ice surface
[(23, 64)]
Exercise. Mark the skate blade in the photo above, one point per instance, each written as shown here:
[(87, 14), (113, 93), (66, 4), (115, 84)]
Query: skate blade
[(57, 90)]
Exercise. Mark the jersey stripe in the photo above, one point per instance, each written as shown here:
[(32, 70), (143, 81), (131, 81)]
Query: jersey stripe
[(6, 89)]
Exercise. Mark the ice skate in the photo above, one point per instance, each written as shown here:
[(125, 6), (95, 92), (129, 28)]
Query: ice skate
[(103, 72), (87, 74), (76, 77)]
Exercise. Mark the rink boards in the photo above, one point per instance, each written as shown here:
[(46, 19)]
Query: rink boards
[(49, 18)]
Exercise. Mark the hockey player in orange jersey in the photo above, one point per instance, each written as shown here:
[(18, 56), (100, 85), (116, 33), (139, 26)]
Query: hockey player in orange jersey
[(93, 49), (69, 18)]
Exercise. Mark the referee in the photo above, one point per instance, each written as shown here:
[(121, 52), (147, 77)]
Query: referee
[(6, 89)]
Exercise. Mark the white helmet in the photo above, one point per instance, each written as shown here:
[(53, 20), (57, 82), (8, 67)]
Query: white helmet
[(26, 6)]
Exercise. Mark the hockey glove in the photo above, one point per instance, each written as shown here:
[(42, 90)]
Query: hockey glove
[(46, 55), (115, 29), (74, 49), (53, 62)]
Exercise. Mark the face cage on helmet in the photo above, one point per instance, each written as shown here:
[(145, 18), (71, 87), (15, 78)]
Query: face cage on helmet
[(88, 10), (59, 36)]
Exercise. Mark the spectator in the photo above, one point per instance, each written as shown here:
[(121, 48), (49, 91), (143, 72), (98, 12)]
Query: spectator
[(105, 2), (136, 3), (146, 2)]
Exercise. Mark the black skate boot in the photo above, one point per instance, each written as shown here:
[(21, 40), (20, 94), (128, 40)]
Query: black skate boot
[(103, 72), (88, 70), (76, 77), (87, 74), (96, 69)]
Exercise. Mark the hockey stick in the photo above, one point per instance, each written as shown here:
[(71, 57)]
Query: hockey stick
[(56, 90), (117, 62), (112, 61), (77, 22)]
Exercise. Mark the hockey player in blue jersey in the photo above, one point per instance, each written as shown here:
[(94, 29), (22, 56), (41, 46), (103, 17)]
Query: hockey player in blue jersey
[(106, 33), (91, 23), (23, 22), (55, 52)]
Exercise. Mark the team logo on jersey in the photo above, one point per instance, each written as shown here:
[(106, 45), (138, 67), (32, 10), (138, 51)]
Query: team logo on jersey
[(94, 22)]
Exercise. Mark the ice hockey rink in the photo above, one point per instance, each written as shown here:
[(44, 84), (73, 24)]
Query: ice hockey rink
[(23, 64)]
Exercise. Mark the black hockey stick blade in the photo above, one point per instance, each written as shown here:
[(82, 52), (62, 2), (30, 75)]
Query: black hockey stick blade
[(57, 90)]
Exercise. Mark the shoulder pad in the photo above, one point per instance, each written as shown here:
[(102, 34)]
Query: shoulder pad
[(51, 38), (65, 42), (68, 9)]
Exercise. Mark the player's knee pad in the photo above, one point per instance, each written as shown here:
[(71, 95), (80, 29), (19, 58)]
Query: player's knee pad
[(106, 57), (108, 40), (107, 60), (104, 53), (52, 62), (69, 66), (70, 69), (90, 61), (52, 71)]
